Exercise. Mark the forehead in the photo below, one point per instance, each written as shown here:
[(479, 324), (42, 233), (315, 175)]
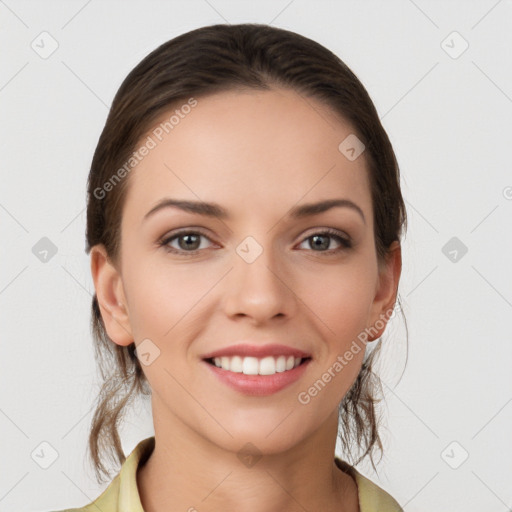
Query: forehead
[(252, 151)]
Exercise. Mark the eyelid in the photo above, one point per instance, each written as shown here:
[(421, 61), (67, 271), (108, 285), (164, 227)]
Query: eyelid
[(326, 230)]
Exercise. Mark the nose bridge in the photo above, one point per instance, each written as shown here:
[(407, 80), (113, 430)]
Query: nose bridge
[(256, 286)]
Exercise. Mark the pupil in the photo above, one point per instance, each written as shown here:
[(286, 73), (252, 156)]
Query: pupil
[(321, 245), (193, 242)]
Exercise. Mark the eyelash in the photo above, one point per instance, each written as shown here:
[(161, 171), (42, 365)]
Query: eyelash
[(344, 242)]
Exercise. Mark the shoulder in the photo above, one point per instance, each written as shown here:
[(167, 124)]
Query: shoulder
[(122, 493), (107, 501), (371, 496)]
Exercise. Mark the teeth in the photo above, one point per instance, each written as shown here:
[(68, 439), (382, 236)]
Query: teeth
[(253, 366), (281, 364), (250, 366)]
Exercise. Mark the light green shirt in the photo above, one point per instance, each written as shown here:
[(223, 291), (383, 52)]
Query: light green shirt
[(122, 495)]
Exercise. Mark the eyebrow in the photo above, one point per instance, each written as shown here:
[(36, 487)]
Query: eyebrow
[(217, 211)]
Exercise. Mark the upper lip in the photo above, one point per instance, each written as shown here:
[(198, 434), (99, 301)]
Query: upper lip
[(247, 350)]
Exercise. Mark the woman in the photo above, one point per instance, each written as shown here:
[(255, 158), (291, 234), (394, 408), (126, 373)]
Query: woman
[(244, 220)]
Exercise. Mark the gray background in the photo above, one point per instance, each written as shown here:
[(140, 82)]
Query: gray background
[(448, 114)]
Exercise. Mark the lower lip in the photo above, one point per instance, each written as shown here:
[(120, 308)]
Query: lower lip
[(259, 385)]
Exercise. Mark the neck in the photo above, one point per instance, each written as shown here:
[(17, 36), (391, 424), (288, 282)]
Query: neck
[(188, 472)]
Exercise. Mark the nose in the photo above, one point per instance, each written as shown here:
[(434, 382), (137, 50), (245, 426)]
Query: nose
[(260, 289)]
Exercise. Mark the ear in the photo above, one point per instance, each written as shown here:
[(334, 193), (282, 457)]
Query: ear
[(386, 291), (111, 299)]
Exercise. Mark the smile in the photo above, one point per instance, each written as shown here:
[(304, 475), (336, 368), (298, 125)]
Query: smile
[(269, 365), (257, 376)]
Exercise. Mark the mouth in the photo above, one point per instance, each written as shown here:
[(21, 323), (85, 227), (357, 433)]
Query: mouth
[(257, 376), (248, 365)]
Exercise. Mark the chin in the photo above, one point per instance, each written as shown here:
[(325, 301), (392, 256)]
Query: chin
[(268, 437)]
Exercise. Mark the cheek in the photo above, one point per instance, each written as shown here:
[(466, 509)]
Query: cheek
[(151, 302), (166, 298), (341, 297)]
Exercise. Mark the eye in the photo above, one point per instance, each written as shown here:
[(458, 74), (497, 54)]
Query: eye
[(187, 241), (322, 241)]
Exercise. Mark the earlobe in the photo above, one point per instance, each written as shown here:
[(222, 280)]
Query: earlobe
[(110, 294), (386, 293)]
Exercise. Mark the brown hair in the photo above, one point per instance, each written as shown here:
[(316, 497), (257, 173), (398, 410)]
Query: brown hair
[(202, 62)]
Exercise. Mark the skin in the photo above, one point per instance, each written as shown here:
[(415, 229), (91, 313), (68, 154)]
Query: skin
[(257, 154)]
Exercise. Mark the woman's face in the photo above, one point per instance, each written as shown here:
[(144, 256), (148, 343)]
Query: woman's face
[(257, 276)]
